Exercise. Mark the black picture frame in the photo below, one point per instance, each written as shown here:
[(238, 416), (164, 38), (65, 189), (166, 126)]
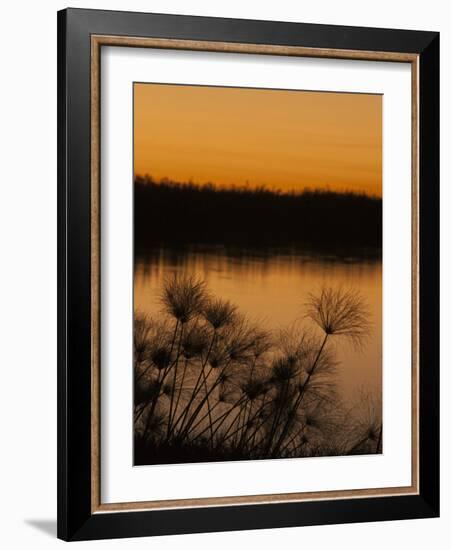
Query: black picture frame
[(75, 518)]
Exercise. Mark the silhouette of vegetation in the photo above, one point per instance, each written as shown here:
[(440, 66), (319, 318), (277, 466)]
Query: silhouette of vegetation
[(212, 385), (178, 214)]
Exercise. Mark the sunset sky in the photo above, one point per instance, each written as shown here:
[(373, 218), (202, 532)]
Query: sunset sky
[(287, 140)]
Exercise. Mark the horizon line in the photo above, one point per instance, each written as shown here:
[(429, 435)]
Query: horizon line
[(253, 187)]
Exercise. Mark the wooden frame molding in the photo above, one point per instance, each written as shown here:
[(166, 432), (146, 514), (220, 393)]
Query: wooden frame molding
[(97, 41)]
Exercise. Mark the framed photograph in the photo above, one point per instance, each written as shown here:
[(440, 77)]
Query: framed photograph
[(248, 274)]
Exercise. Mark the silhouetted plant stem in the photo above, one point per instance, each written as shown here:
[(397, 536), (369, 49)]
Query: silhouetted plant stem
[(358, 444), (185, 366), (194, 415), (225, 415), (165, 373), (241, 413), (206, 391), (217, 382), (158, 395), (199, 407), (379, 441), (139, 412), (298, 447), (281, 402), (143, 372), (174, 336), (152, 400), (256, 415), (175, 380), (183, 416), (290, 419), (226, 435), (245, 426), (297, 434), (199, 422)]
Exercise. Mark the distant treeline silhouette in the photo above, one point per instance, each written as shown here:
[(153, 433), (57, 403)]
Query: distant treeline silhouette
[(173, 213)]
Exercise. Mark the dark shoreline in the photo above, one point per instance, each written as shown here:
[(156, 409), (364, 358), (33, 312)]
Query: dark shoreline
[(173, 215)]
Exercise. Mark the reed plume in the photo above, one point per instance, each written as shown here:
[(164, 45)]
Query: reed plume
[(212, 385), (340, 312)]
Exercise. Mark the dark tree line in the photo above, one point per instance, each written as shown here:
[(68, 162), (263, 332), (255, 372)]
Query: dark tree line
[(176, 214)]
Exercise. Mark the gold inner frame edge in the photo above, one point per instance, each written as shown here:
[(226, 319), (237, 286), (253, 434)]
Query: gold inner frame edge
[(97, 41)]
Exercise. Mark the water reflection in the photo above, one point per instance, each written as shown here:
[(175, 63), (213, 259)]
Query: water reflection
[(271, 287)]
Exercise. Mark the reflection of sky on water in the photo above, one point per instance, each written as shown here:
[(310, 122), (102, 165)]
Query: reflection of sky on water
[(272, 289)]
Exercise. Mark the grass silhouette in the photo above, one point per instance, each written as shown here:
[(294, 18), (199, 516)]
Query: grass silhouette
[(211, 385)]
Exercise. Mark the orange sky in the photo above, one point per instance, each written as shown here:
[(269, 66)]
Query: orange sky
[(282, 139)]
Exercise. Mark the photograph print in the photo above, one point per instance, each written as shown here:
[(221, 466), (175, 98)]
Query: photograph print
[(257, 274)]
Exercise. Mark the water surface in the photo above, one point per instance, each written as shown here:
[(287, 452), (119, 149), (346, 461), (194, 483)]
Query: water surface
[(272, 289)]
